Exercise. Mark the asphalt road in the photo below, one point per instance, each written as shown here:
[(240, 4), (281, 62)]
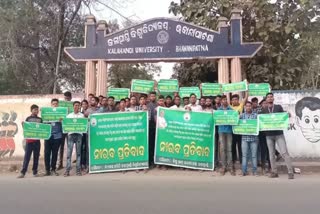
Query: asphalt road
[(159, 192)]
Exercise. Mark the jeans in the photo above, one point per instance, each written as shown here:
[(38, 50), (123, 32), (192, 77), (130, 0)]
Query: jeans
[(51, 148), (236, 143), (61, 150), (74, 139), (264, 151), (247, 146), (35, 149), (225, 140), (281, 142)]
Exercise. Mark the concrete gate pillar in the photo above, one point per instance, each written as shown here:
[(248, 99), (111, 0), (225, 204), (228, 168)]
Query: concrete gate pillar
[(90, 81), (101, 78)]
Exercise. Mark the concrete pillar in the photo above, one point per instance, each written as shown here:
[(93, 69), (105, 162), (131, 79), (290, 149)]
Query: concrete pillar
[(236, 70), (101, 78), (90, 81), (223, 71)]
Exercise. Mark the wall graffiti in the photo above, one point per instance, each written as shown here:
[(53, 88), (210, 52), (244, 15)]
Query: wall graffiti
[(8, 129), (303, 134)]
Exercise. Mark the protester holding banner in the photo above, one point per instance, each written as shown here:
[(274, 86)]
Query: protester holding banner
[(67, 98), (52, 145), (168, 102), (276, 137), (225, 139), (142, 103), (122, 105), (93, 107), (133, 104), (32, 146), (111, 105), (217, 101), (236, 139), (177, 103), (103, 104), (249, 142), (84, 146), (152, 105), (208, 105), (202, 102), (193, 106), (185, 101), (74, 138)]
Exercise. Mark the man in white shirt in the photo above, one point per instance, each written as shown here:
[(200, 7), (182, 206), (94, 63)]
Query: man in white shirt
[(177, 103), (74, 138), (193, 106)]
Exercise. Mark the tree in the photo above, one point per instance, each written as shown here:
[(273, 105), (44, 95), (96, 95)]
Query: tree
[(283, 26), (33, 34), (120, 75)]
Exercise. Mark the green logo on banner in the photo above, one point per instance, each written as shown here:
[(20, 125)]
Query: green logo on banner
[(273, 122), (118, 141), (118, 93), (142, 86), (186, 91), (185, 139), (235, 87), (49, 114), (211, 89), (260, 89), (74, 125), (36, 131), (226, 117), (246, 127)]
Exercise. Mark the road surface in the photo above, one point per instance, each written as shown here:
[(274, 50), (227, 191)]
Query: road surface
[(176, 192)]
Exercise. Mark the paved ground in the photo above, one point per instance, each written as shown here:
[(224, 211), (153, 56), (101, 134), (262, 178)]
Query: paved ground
[(165, 192)]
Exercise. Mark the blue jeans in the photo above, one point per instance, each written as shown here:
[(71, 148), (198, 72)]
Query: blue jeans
[(74, 139), (253, 147)]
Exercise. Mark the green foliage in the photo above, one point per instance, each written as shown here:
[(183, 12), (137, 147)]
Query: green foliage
[(285, 27)]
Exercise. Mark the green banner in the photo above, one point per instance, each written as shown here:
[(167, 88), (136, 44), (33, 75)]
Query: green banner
[(49, 114), (246, 127), (226, 117), (118, 93), (260, 89), (142, 86), (185, 139), (211, 89), (118, 141), (67, 104), (186, 91), (36, 131), (168, 86), (75, 125), (273, 122), (235, 87)]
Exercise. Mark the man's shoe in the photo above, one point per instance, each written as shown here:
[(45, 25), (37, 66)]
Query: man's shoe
[(273, 175), (233, 173), (47, 173), (21, 176), (66, 174), (53, 172), (60, 167), (36, 175), (243, 174), (290, 176), (79, 174)]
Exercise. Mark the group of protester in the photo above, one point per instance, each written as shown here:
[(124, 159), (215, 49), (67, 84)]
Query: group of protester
[(229, 147)]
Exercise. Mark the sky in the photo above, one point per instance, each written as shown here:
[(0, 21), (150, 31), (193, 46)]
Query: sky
[(140, 10)]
